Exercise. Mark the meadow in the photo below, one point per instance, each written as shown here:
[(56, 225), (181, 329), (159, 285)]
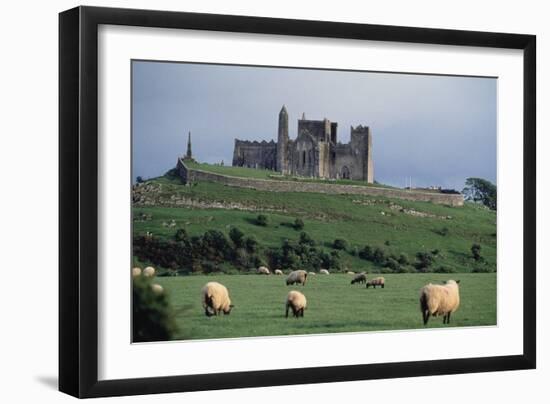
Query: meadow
[(396, 226), (333, 304)]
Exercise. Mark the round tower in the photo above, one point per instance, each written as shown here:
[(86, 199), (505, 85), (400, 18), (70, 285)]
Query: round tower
[(282, 142)]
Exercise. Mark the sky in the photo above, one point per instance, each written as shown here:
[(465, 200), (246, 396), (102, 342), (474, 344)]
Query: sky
[(435, 130)]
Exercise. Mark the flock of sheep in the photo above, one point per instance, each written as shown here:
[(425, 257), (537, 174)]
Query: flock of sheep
[(435, 300)]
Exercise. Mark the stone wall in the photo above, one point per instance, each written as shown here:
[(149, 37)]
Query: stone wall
[(193, 175)]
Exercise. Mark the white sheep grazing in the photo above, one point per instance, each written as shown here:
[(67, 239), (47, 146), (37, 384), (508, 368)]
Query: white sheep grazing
[(436, 300), (311, 273), (136, 271), (378, 281), (215, 299), (149, 272), (263, 271), (278, 272), (157, 289), (350, 273), (297, 302), (298, 276), (324, 272)]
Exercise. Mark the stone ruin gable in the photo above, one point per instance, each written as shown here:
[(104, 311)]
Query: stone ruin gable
[(254, 154), (309, 156), (353, 160), (322, 131)]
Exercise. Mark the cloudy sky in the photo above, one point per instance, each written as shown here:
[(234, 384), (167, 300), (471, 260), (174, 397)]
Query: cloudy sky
[(439, 130)]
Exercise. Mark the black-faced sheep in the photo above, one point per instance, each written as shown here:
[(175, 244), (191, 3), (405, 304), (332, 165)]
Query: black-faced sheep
[(359, 278), (379, 281), (436, 300), (298, 276), (297, 302), (215, 299), (263, 271)]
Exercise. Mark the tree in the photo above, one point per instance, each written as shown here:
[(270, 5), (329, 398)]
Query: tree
[(139, 179), (340, 244), (237, 236), (476, 252), (261, 220), (481, 191), (298, 224), (181, 235)]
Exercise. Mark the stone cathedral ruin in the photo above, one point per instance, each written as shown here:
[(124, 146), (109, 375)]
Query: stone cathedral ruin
[(315, 152)]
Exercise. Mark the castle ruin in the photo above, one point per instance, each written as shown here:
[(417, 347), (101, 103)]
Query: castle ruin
[(315, 152)]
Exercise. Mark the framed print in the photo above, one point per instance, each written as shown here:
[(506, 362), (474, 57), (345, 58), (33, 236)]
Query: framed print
[(250, 201)]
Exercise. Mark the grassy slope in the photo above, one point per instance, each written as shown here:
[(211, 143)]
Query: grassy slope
[(259, 304), (272, 175), (328, 217)]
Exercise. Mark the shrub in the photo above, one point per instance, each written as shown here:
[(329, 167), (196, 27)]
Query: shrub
[(378, 256), (425, 260), (403, 259), (435, 252), (139, 179), (237, 237), (298, 224), (444, 231), (393, 264), (181, 235), (306, 239), (366, 253), (152, 316), (261, 220), (476, 252), (444, 270), (387, 242), (251, 244), (340, 244)]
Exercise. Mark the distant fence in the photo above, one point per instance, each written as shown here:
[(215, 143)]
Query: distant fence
[(191, 175)]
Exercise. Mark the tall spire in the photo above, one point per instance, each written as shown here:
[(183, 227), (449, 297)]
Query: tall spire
[(189, 155)]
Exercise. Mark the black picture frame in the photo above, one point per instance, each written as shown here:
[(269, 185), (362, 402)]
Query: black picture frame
[(78, 201)]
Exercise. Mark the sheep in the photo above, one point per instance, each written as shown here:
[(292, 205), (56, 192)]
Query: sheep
[(215, 299), (311, 273), (297, 277), (324, 272), (379, 281), (278, 272), (263, 271), (149, 272), (438, 300), (136, 271), (350, 273), (297, 302), (359, 278), (157, 289)]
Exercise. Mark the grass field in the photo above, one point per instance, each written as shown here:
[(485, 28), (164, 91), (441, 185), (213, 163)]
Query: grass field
[(333, 304), (360, 220), (273, 175)]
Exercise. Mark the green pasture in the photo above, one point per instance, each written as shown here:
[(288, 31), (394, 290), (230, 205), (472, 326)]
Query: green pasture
[(333, 304)]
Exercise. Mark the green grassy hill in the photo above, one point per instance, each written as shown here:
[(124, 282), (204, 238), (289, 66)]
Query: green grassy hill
[(396, 226)]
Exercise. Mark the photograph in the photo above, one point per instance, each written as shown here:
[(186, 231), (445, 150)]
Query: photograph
[(271, 201)]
